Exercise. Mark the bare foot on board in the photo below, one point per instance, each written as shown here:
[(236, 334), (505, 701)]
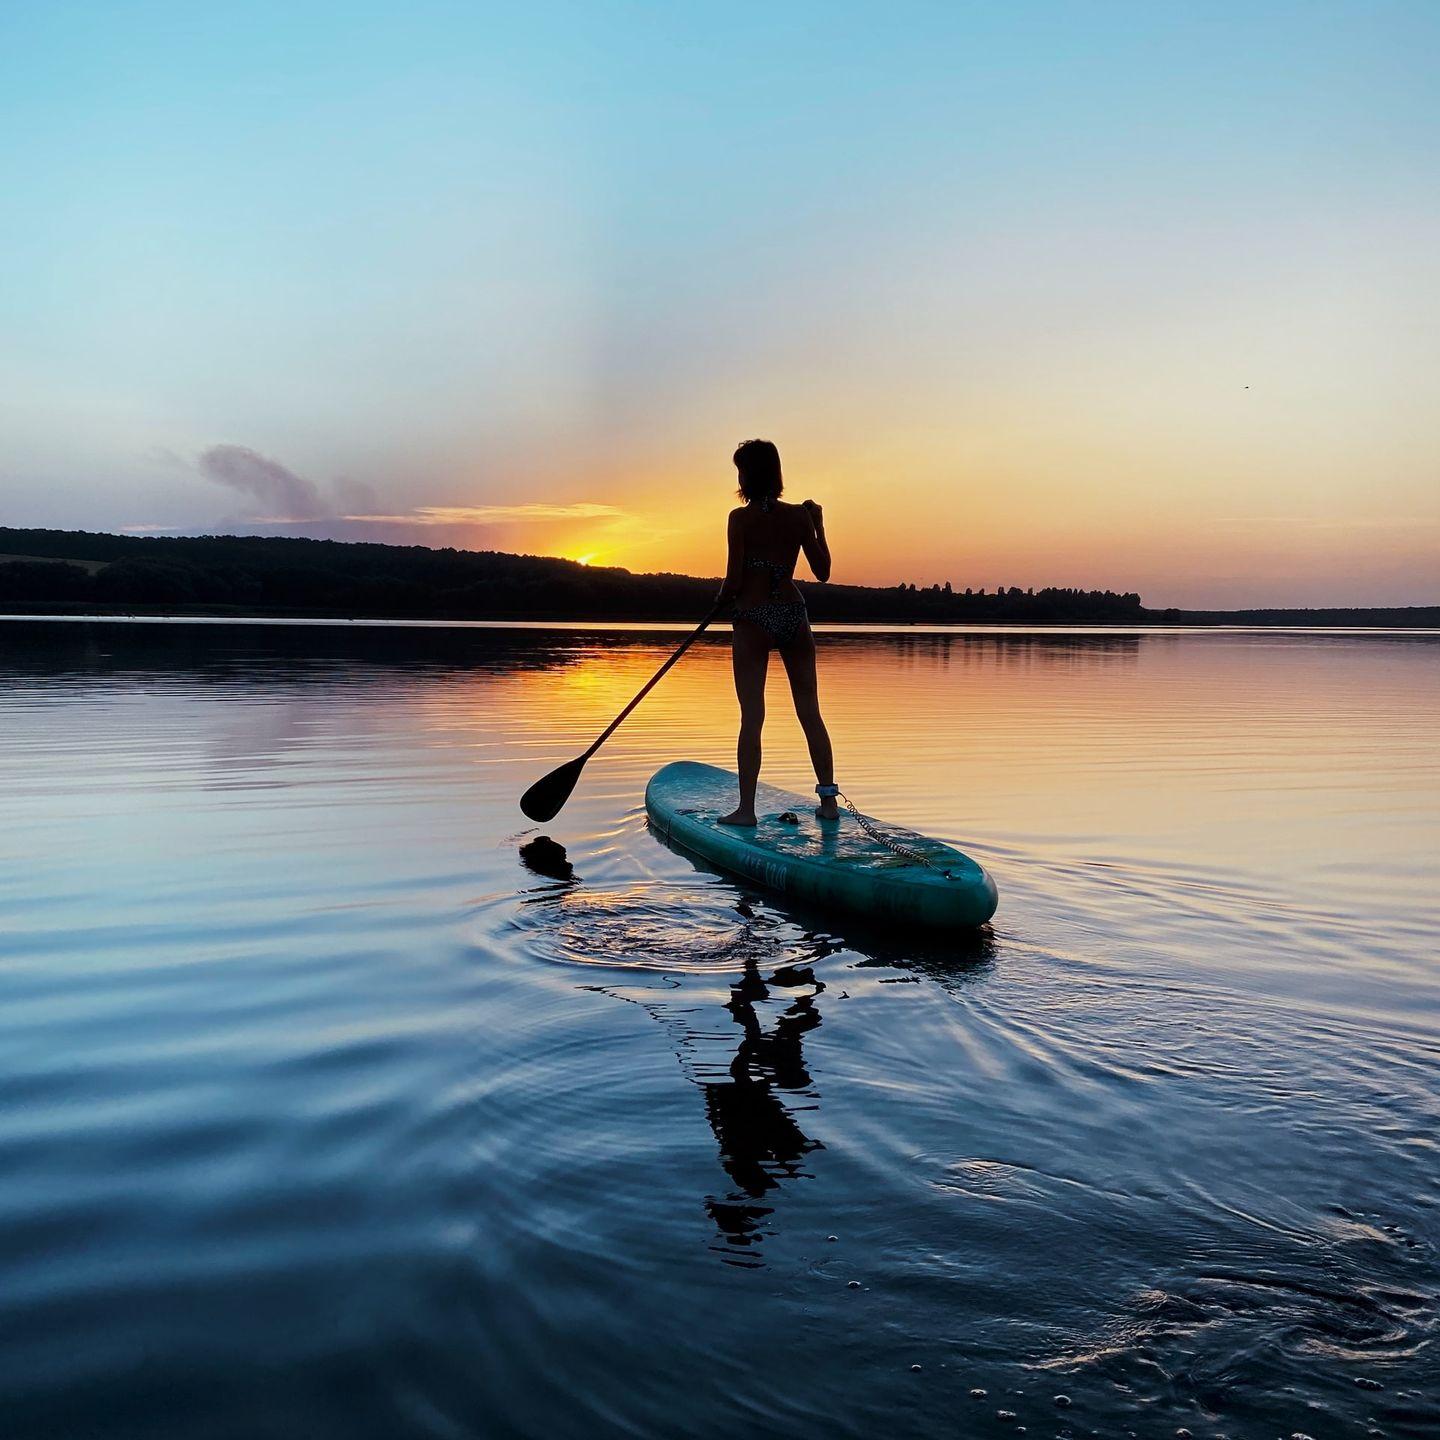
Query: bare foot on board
[(827, 809), (737, 817)]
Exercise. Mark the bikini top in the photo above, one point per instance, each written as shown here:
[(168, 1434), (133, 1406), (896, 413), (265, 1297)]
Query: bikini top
[(779, 574)]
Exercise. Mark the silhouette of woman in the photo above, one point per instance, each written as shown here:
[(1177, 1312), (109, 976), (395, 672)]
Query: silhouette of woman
[(765, 537)]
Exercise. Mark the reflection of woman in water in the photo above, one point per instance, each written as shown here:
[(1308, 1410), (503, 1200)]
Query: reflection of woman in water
[(761, 1142), (766, 536)]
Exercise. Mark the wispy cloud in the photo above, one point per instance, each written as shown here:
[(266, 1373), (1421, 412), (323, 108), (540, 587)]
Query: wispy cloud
[(348, 509), (268, 481), (491, 514)]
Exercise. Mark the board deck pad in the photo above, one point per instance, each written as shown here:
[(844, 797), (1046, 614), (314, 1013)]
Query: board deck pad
[(833, 863)]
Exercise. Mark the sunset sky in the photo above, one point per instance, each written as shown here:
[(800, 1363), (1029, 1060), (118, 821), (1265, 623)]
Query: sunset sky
[(1133, 294)]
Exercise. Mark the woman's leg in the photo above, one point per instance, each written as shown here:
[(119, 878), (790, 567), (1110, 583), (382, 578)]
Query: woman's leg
[(799, 658), (750, 658)]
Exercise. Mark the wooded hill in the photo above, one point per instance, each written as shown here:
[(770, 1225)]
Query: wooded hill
[(76, 571)]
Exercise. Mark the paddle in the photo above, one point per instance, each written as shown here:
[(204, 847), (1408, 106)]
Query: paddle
[(547, 796)]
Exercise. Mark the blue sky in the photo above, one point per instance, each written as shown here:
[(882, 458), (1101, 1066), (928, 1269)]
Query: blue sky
[(996, 277)]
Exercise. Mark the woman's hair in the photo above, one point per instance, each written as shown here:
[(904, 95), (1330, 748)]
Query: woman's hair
[(758, 462)]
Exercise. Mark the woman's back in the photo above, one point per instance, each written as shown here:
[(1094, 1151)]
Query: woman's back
[(772, 532)]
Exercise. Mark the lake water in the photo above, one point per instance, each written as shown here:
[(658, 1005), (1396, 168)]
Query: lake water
[(324, 1116)]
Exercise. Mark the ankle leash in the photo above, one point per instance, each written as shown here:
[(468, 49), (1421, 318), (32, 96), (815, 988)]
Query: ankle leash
[(829, 792)]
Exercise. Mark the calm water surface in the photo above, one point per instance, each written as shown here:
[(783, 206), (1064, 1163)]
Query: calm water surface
[(323, 1115)]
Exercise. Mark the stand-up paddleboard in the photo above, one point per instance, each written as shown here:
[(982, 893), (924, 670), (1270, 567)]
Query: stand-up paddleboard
[(912, 881)]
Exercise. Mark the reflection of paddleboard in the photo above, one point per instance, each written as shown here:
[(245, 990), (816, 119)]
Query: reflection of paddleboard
[(834, 863)]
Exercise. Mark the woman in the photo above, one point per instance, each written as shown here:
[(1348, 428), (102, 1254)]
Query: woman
[(766, 536)]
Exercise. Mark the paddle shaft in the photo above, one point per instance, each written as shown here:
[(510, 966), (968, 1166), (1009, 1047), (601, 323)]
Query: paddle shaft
[(652, 682)]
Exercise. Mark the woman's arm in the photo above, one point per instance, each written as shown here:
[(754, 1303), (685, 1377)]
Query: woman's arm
[(734, 563), (812, 537)]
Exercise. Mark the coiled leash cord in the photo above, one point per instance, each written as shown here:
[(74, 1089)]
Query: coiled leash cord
[(826, 792)]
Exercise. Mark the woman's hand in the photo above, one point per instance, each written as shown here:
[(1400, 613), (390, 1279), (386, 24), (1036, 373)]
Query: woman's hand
[(817, 515)]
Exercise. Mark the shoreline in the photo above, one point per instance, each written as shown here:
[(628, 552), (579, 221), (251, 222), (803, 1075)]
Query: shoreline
[(831, 627)]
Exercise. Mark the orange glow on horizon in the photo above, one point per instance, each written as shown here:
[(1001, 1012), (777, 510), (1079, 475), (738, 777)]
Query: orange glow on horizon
[(1009, 500)]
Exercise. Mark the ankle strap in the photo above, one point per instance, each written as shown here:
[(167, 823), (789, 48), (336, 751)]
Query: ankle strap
[(827, 792)]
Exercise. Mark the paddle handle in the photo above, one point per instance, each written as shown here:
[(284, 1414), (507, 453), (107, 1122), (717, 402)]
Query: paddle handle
[(653, 681)]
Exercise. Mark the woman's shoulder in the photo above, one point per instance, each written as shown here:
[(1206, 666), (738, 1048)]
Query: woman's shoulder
[(783, 508), (789, 508)]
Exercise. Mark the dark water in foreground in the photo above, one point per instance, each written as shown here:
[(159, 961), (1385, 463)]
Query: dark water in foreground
[(323, 1116)]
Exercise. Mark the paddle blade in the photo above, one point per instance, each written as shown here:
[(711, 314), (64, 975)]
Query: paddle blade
[(547, 796)]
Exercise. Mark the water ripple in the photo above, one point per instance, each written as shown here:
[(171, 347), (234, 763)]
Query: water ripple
[(324, 1114)]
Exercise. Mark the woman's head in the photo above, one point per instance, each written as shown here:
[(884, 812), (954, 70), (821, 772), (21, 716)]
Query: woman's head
[(758, 462)]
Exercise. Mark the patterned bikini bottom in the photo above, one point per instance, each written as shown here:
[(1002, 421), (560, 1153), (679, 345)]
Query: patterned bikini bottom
[(782, 621)]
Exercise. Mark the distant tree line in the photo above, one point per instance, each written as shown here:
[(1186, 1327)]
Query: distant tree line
[(77, 571), (258, 574)]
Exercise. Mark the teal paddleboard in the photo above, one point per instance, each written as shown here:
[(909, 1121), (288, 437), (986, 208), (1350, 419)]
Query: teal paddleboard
[(833, 863)]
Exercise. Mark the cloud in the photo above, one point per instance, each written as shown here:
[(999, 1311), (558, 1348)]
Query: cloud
[(346, 509), (268, 481), (490, 514)]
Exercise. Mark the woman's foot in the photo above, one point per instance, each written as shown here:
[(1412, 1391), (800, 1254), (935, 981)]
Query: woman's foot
[(737, 817)]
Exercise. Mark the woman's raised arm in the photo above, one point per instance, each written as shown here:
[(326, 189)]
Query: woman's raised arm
[(812, 538)]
